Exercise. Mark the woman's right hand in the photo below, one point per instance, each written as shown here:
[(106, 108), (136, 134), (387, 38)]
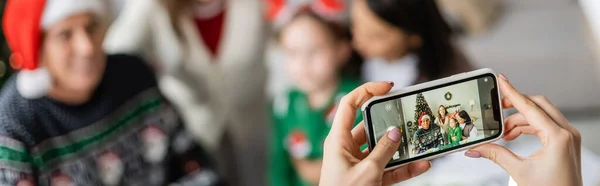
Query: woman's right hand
[(558, 162)]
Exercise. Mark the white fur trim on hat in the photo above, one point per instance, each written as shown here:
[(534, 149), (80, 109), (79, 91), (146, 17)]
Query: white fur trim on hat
[(56, 10), (33, 84), (425, 116)]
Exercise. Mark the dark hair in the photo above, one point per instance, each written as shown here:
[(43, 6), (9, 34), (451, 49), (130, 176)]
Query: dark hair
[(464, 115), (438, 57), (338, 32), (445, 111)]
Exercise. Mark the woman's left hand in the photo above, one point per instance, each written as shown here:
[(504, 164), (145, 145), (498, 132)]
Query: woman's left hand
[(345, 164)]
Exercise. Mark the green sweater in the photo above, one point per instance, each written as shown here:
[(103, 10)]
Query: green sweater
[(299, 132), (454, 132)]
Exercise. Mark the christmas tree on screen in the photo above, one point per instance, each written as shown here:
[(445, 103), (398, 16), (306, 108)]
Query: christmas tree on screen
[(422, 107)]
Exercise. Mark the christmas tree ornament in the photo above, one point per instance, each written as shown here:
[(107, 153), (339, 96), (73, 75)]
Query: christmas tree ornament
[(23, 24)]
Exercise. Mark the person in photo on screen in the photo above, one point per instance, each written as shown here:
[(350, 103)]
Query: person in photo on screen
[(428, 136), (469, 130), (443, 121), (454, 132)]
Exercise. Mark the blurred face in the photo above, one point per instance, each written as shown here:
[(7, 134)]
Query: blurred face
[(375, 38), (442, 111), (460, 120), (313, 57), (72, 52), (425, 123), (453, 123)]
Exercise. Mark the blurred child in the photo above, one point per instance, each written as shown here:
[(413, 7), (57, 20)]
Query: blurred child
[(404, 41), (316, 51), (454, 132)]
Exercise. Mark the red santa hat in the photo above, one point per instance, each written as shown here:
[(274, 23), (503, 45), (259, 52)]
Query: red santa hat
[(423, 116), (281, 11), (23, 24)]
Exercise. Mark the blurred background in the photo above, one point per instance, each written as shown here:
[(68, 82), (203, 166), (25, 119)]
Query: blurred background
[(548, 47)]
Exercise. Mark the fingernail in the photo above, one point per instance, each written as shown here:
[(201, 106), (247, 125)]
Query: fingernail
[(394, 134), (472, 154), (390, 82), (430, 164), (503, 77)]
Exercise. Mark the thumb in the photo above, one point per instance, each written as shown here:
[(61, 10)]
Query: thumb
[(386, 147), (498, 154)]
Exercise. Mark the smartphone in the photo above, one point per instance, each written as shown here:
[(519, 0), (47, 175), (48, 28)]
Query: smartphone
[(437, 117)]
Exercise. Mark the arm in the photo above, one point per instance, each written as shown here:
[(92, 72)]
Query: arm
[(473, 133), (309, 170), (15, 163)]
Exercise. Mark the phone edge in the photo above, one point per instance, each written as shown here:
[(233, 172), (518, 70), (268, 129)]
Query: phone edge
[(425, 85)]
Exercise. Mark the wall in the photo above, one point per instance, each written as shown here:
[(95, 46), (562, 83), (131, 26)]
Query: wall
[(461, 94)]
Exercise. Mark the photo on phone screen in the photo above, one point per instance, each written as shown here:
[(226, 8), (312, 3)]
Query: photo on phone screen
[(440, 118)]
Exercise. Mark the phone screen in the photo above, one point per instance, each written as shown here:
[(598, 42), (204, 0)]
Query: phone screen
[(438, 119)]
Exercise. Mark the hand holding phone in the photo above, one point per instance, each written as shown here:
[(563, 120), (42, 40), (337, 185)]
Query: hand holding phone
[(437, 117), (558, 162), (343, 161)]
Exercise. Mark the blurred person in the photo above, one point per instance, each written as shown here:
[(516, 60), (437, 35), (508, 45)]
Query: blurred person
[(73, 115), (316, 52), (469, 130), (428, 136), (209, 59), (404, 41), (443, 120), (454, 132), (557, 162)]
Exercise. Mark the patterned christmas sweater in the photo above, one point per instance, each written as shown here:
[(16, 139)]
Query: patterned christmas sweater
[(127, 134), (431, 138)]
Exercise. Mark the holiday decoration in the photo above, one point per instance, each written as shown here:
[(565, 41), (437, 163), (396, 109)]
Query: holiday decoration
[(281, 11), (448, 96), (422, 107)]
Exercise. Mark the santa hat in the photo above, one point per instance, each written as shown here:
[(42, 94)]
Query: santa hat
[(423, 116), (24, 21), (281, 11)]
